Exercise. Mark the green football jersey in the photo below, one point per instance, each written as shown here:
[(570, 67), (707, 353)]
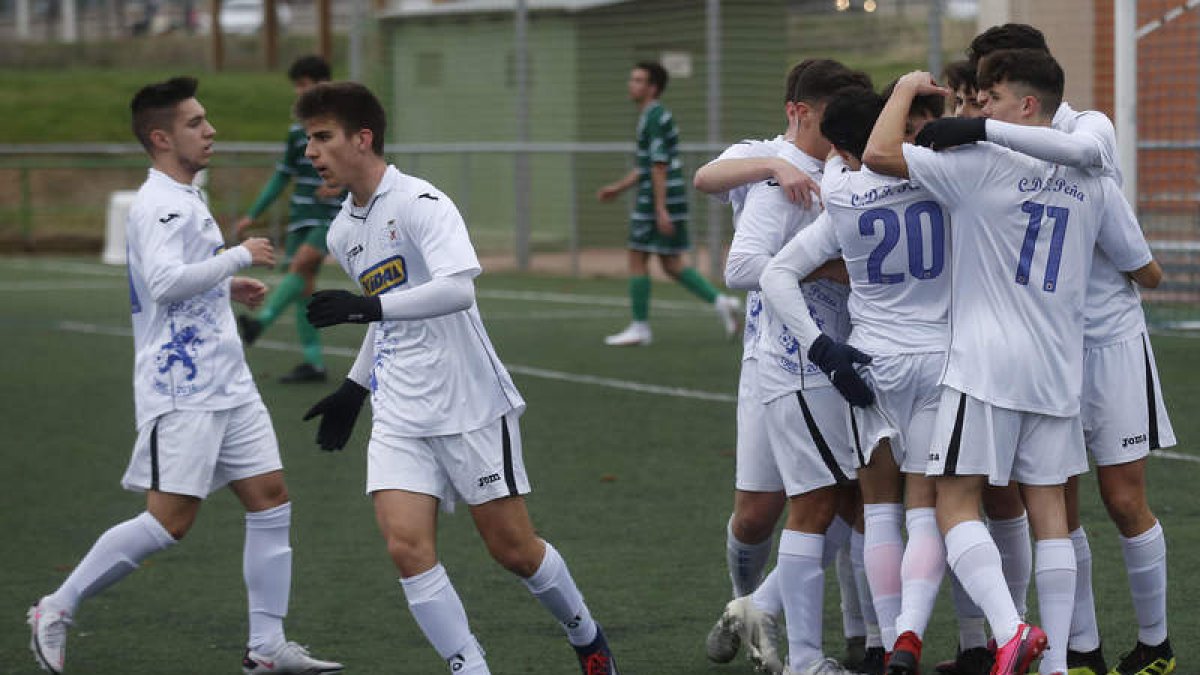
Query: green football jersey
[(305, 208), (658, 143)]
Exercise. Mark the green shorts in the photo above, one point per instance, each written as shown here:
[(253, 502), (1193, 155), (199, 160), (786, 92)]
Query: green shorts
[(644, 236), (313, 235)]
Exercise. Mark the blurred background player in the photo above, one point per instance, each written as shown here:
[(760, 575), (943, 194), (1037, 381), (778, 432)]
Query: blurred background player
[(311, 207), (658, 223), (201, 424), (445, 411)]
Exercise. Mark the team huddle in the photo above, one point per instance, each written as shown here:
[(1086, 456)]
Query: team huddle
[(991, 336), (942, 322)]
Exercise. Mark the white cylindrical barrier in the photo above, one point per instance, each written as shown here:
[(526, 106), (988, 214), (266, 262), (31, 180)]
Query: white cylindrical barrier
[(119, 203)]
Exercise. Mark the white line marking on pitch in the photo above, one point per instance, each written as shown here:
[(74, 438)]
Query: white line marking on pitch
[(542, 373)]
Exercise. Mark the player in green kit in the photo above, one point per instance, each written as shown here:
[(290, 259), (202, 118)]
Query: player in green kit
[(658, 223), (310, 209)]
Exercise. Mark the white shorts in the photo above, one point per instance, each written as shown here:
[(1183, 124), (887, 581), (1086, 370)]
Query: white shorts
[(810, 439), (906, 403), (756, 470), (1123, 413), (197, 453), (477, 466), (972, 438)]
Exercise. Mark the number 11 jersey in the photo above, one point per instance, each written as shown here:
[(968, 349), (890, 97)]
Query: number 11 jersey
[(1022, 247)]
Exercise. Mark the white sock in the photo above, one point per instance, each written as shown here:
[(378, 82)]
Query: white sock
[(837, 540), (746, 562), (1056, 599), (267, 570), (553, 586), (802, 582), (863, 590), (852, 618), (1016, 556), (883, 551), (972, 555), (767, 597), (972, 631), (921, 571), (1146, 564), (439, 612), (115, 554), (1085, 635)]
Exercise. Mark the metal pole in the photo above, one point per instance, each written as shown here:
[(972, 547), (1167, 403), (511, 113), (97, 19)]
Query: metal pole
[(356, 40), (521, 168), (218, 46), (573, 213), (1125, 92), (935, 37), (270, 34), (23, 26), (713, 40), (324, 30), (70, 23)]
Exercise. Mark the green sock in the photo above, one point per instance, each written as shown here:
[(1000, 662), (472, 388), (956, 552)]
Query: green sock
[(698, 285), (288, 290), (639, 297), (310, 337)]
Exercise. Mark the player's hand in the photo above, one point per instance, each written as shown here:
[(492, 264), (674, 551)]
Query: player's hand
[(662, 222), (338, 412), (262, 252), (244, 223), (921, 83), (837, 360), (329, 308), (798, 186), (248, 291), (608, 193), (949, 132)]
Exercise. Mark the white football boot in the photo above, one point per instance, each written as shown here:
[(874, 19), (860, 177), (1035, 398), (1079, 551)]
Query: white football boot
[(48, 635), (292, 659), (636, 334)]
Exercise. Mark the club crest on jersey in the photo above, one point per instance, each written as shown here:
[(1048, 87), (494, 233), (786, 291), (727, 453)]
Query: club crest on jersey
[(384, 276)]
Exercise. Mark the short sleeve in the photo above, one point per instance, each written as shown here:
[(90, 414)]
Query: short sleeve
[(658, 128), (1120, 236), (441, 236)]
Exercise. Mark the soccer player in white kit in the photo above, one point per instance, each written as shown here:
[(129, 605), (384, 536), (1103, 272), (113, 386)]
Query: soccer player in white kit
[(759, 498), (445, 411), (201, 424), (895, 241), (1010, 401), (1124, 416)]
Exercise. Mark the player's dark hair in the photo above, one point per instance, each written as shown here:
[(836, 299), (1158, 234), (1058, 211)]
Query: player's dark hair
[(849, 117), (1034, 69), (820, 79), (153, 106), (312, 67), (1008, 36), (959, 75), (656, 73), (353, 106), (792, 76), (933, 105)]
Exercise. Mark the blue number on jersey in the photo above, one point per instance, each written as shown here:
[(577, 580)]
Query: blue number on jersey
[(1060, 216), (915, 218)]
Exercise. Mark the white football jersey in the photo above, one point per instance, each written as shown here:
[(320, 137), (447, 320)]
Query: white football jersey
[(895, 239), (1024, 238), (1114, 305), (748, 149), (773, 220), (430, 377), (187, 354)]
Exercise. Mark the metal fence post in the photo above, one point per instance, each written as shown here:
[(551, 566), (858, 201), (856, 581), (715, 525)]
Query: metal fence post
[(26, 208), (714, 130), (573, 213), (521, 168)]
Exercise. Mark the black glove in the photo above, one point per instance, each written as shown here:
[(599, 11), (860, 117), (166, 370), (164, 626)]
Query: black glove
[(948, 132), (329, 308), (837, 359), (338, 412)]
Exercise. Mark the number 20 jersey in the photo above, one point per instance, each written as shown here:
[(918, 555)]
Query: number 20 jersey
[(1024, 237), (895, 239)]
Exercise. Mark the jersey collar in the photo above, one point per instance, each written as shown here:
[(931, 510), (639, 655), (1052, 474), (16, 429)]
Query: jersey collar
[(159, 176), (804, 161), (1064, 113), (391, 178)]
